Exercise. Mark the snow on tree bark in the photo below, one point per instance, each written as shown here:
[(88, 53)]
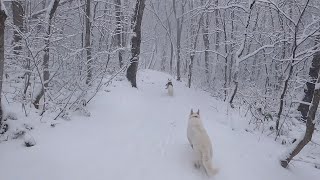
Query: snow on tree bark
[(52, 7), (310, 85), (238, 54), (179, 23), (88, 41), (3, 17), (290, 67), (119, 30), (206, 42), (310, 126), (18, 14), (135, 42), (195, 29)]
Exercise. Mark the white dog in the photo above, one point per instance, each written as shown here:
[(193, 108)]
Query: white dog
[(169, 86), (200, 143)]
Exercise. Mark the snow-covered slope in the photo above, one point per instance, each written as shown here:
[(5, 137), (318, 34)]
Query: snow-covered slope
[(140, 134)]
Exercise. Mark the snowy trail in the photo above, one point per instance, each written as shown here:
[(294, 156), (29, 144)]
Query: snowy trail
[(136, 134)]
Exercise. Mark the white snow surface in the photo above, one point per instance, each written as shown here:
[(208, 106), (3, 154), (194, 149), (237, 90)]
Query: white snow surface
[(140, 134)]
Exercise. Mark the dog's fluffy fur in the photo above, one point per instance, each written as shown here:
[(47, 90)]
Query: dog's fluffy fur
[(169, 86), (200, 143)]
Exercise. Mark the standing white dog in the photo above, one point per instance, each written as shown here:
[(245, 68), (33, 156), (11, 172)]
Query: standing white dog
[(169, 86), (200, 143)]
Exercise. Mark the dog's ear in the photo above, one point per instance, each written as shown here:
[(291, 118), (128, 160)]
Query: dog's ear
[(198, 112), (191, 111)]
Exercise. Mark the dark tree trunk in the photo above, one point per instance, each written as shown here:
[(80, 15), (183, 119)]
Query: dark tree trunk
[(194, 36), (225, 59), (217, 35), (18, 14), (46, 56), (171, 56), (3, 18), (119, 30), (294, 49), (206, 43), (190, 69), (88, 41), (310, 85), (135, 42), (235, 80), (232, 46), (286, 83), (171, 45), (239, 53), (179, 22), (178, 53), (234, 93), (309, 124)]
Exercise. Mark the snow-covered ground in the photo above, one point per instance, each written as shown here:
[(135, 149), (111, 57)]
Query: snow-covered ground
[(136, 134)]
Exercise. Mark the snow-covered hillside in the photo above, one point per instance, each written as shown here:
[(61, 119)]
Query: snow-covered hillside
[(140, 134)]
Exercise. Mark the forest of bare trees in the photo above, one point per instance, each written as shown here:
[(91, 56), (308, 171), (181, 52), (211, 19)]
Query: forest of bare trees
[(260, 55)]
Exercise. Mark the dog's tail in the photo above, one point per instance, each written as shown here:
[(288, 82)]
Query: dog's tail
[(207, 163)]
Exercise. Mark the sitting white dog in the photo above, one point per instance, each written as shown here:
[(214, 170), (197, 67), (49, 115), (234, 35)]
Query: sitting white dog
[(200, 143), (169, 86)]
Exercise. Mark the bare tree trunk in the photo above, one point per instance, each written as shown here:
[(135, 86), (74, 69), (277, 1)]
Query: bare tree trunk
[(179, 22), (239, 53), (310, 124), (171, 44), (18, 14), (206, 43), (3, 17), (310, 85), (231, 61), (179, 31), (171, 57), (194, 36), (119, 30), (217, 34), (135, 42), (226, 58), (88, 41), (45, 64), (286, 82), (283, 93), (278, 76), (232, 38), (163, 59), (104, 36)]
